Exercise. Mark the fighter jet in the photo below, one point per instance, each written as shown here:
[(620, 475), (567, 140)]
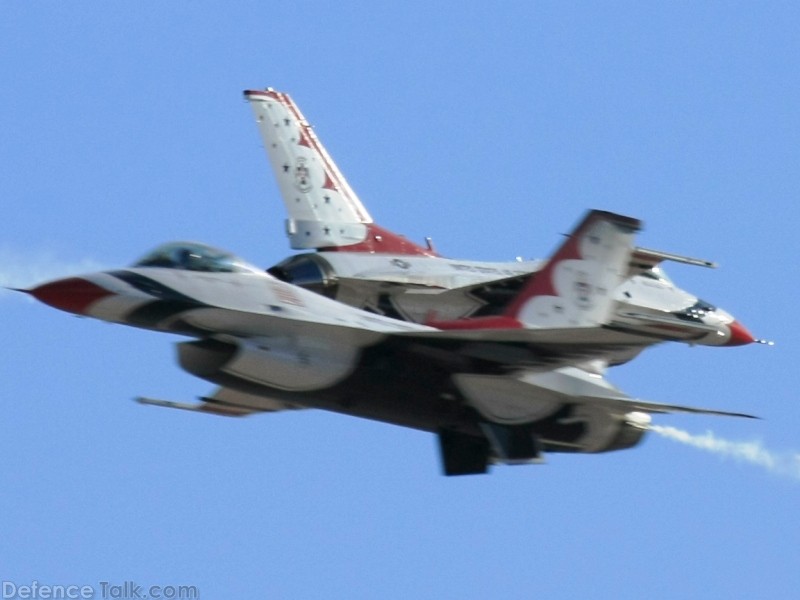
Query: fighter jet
[(502, 388), (362, 264)]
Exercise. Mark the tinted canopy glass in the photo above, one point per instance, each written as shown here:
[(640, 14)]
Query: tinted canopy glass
[(191, 256)]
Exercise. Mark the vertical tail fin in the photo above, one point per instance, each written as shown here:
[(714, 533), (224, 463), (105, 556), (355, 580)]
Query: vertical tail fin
[(324, 211), (575, 288)]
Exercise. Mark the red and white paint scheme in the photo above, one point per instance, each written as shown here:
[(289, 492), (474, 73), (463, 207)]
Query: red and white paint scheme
[(500, 388), (324, 211), (369, 267)]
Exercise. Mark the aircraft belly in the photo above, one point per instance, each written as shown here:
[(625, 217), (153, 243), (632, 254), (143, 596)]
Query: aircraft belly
[(384, 383), (358, 399), (394, 383)]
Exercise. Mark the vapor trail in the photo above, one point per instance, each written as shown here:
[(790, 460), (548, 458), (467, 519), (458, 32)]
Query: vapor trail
[(784, 464), (18, 270)]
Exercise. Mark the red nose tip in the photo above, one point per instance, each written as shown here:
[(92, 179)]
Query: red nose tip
[(72, 295), (739, 335)]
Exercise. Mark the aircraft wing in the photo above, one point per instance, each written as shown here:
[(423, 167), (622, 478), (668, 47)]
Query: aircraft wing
[(526, 396), (542, 349), (491, 341), (226, 402)]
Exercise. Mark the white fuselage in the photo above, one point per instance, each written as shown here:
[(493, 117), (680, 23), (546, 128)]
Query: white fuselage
[(417, 288)]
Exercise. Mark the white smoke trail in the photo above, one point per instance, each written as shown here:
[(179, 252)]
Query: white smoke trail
[(18, 270), (784, 464)]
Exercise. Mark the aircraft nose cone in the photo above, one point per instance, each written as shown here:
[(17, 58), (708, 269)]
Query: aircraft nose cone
[(739, 335), (72, 294)]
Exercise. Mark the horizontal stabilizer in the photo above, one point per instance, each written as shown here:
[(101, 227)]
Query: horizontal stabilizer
[(658, 408), (530, 396), (590, 389)]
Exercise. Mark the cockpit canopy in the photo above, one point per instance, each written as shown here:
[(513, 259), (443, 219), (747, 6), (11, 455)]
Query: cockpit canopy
[(658, 274), (191, 256)]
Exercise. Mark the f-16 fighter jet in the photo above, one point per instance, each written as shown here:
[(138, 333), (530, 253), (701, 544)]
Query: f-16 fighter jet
[(505, 387), (362, 264)]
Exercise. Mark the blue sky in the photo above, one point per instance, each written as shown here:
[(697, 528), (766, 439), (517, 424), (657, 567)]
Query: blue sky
[(490, 128)]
